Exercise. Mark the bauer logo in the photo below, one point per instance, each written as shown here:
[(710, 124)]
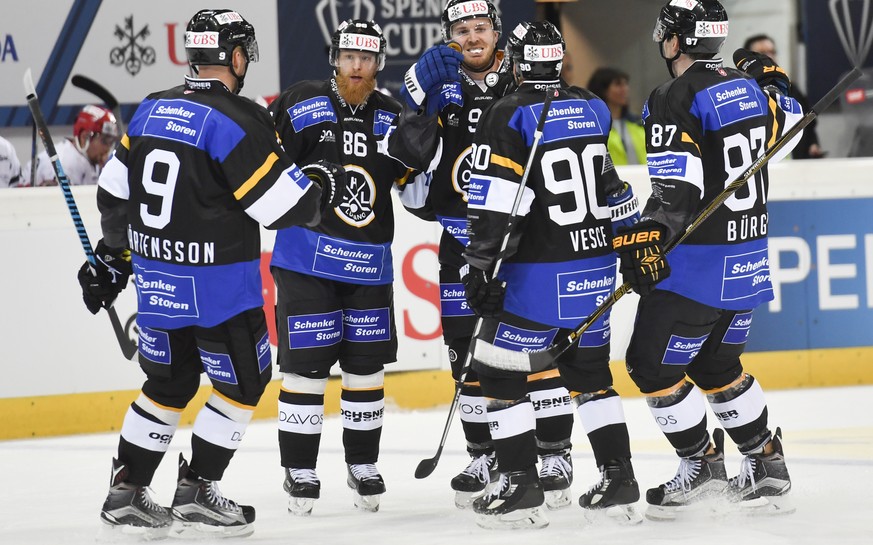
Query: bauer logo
[(467, 9), (361, 42), (201, 40)]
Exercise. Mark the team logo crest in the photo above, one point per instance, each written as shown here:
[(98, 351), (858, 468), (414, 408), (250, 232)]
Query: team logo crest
[(461, 171), (357, 206)]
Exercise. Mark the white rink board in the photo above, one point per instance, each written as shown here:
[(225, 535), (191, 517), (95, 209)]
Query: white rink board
[(51, 345)]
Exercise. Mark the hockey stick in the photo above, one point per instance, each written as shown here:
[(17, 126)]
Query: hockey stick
[(128, 348), (533, 362), (87, 84), (426, 466)]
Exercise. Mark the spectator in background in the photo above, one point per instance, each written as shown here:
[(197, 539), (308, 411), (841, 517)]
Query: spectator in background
[(10, 168), (627, 138), (808, 147), (95, 133)]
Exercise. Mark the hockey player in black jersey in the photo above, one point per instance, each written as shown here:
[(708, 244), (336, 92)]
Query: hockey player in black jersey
[(558, 266), (435, 134), (703, 130), (181, 201), (334, 279)]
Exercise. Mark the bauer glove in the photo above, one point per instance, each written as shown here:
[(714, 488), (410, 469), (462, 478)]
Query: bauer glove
[(640, 248), (423, 80), (332, 179), (102, 282), (484, 295), (761, 67)]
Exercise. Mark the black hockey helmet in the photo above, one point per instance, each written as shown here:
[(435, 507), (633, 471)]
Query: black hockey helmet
[(701, 25), (537, 50), (461, 10), (360, 35), (213, 34)]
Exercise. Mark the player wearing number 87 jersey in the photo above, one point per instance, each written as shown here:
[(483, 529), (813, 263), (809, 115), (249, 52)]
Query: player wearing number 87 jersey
[(704, 129), (334, 279), (559, 265)]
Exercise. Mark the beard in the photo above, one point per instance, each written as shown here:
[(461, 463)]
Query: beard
[(355, 93)]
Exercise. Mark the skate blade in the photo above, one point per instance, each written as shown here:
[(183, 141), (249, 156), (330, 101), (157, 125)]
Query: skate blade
[(125, 533), (558, 499), (368, 503), (199, 530), (766, 506), (624, 515), (463, 500), (519, 519), (302, 507)]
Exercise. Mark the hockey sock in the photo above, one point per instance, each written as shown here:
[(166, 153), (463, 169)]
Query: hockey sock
[(553, 410), (146, 433), (362, 407), (680, 412), (474, 419), (602, 416), (512, 428), (218, 430), (301, 417), (742, 411)]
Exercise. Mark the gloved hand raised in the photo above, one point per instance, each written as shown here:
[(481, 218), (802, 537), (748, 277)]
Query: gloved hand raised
[(640, 248), (102, 282), (438, 65), (332, 179), (484, 296), (761, 67)]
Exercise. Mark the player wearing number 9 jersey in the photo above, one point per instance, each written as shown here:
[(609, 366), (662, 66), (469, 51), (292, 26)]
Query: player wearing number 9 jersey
[(704, 128), (198, 172)]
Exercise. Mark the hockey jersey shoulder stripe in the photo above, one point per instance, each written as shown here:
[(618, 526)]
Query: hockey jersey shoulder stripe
[(497, 194), (727, 103), (281, 197), (675, 165), (506, 162), (256, 177)]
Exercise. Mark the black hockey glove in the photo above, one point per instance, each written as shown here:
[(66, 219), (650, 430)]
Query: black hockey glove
[(332, 179), (437, 65), (102, 282), (623, 207), (761, 67), (484, 296), (641, 250)]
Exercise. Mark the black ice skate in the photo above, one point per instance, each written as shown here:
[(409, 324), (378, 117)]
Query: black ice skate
[(129, 508), (515, 502), (698, 479), (475, 479), (368, 485), (201, 510), (615, 494), (763, 482), (303, 488), (556, 476)]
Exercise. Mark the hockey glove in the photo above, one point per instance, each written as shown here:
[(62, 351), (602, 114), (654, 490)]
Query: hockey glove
[(437, 65), (332, 179), (484, 295), (767, 73), (641, 251), (623, 207), (102, 282)]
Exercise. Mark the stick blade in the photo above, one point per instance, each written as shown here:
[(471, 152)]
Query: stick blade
[(426, 467)]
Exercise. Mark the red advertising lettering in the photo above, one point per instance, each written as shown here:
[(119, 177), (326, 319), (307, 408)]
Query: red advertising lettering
[(421, 288)]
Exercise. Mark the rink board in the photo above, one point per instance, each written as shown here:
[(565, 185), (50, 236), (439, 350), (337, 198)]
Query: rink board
[(64, 372)]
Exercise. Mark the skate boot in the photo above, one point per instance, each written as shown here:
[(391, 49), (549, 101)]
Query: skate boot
[(556, 476), (201, 511), (368, 485), (129, 508), (698, 479), (515, 502), (763, 483), (615, 493), (303, 488), (474, 480)]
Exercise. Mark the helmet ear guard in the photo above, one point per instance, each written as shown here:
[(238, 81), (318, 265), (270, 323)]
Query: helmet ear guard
[(358, 35)]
